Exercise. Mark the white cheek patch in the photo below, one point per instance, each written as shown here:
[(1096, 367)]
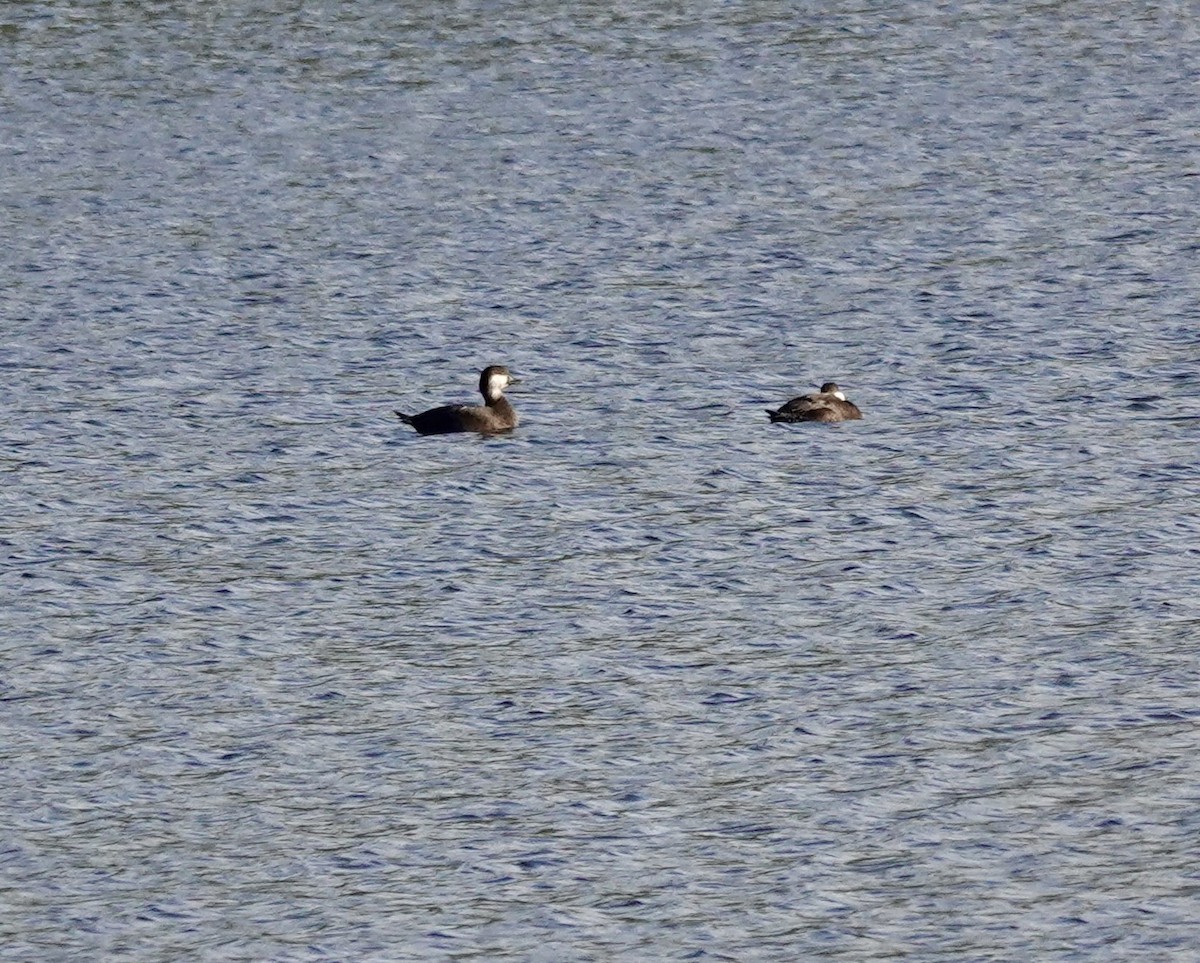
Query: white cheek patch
[(838, 394)]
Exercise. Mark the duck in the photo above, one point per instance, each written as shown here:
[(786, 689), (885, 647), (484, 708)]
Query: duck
[(495, 415), (829, 404)]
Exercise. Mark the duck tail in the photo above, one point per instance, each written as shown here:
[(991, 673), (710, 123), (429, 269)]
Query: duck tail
[(407, 419), (774, 415)]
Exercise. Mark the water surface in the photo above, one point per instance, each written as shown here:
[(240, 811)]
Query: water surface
[(649, 678)]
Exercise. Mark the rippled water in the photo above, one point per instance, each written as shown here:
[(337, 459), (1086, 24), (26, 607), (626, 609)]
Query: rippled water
[(649, 679)]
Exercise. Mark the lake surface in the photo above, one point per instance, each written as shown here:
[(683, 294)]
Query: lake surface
[(649, 678)]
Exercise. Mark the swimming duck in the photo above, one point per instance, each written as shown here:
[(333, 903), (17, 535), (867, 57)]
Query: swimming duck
[(497, 414), (829, 404)]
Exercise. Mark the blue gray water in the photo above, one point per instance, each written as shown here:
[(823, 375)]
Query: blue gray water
[(648, 679)]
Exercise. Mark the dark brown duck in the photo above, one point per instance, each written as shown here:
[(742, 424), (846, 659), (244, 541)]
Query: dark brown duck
[(829, 404), (494, 415)]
